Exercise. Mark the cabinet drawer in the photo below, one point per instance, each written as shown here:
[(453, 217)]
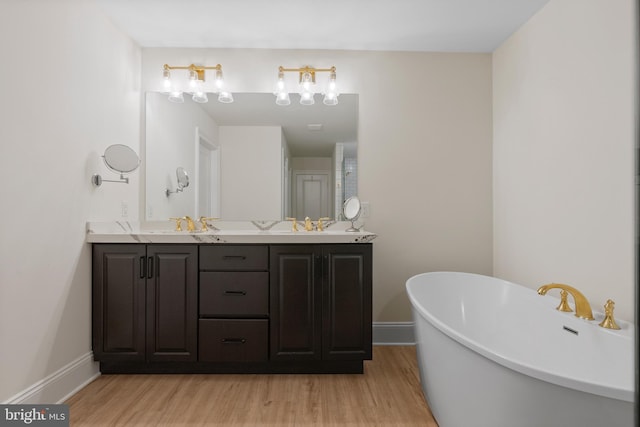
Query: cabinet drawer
[(234, 294), (234, 258), (233, 340)]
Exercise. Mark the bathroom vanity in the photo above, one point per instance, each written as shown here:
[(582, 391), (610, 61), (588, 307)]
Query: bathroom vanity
[(231, 302)]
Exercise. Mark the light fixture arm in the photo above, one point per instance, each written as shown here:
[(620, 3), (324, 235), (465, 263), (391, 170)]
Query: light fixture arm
[(198, 69), (306, 70)]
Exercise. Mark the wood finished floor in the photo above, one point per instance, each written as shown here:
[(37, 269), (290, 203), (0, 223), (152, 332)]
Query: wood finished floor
[(388, 394)]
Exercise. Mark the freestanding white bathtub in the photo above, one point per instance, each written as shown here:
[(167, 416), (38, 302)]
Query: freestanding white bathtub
[(492, 353)]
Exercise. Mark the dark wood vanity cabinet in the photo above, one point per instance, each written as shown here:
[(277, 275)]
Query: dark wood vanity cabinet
[(217, 308), (145, 302), (321, 302)]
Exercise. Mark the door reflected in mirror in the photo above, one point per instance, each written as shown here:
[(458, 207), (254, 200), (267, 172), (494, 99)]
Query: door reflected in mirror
[(247, 157)]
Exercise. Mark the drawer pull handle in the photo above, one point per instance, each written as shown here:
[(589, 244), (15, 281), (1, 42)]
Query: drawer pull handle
[(233, 340), (231, 257), (235, 293)]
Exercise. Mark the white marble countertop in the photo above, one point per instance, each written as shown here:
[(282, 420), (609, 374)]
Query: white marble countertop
[(222, 232)]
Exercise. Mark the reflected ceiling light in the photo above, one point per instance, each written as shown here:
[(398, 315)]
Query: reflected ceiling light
[(306, 82), (194, 84)]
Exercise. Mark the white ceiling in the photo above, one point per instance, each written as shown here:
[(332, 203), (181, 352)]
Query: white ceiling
[(398, 25)]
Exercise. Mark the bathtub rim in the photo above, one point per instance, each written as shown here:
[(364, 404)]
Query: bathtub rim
[(598, 389)]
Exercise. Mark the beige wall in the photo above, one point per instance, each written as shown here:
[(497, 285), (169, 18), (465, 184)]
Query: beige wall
[(250, 172), (563, 117), (424, 151), (70, 88)]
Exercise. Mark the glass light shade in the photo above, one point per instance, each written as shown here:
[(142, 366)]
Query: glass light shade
[(225, 97), (219, 79), (166, 81), (306, 98), (282, 98), (193, 81), (330, 98), (176, 96), (200, 97), (306, 81)]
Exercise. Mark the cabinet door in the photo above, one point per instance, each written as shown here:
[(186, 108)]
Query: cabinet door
[(118, 302), (346, 302), (295, 297), (172, 301)]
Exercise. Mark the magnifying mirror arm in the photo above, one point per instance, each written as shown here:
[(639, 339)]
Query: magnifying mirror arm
[(97, 180), (178, 190)]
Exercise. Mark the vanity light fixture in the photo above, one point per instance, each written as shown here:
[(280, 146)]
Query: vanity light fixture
[(306, 81), (195, 85)]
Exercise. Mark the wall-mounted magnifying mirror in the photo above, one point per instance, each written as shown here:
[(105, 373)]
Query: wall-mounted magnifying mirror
[(120, 159), (351, 211), (183, 181)]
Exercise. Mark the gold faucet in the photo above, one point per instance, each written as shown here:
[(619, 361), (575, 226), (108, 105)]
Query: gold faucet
[(294, 223), (178, 223), (308, 226), (609, 322), (583, 309), (320, 225), (203, 220), (191, 226)]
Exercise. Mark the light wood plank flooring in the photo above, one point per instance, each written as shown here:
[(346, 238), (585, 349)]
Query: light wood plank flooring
[(388, 394)]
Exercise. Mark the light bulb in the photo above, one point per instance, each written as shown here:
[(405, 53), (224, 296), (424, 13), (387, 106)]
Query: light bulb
[(280, 84), (193, 80), (331, 94), (166, 81), (306, 81), (219, 79)]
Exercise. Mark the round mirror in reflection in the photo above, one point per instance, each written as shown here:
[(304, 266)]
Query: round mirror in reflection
[(183, 178), (351, 211), (121, 158), (351, 208)]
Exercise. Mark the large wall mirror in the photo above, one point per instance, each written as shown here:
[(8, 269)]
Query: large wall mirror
[(252, 159)]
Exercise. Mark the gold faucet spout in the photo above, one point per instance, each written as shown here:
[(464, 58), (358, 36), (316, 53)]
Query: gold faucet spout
[(583, 308), (191, 226)]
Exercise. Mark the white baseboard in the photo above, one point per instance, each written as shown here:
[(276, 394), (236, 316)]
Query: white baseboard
[(62, 384), (393, 333)]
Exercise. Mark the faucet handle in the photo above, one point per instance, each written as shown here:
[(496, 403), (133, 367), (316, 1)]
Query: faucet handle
[(178, 223), (203, 220), (564, 305), (294, 223), (320, 225), (609, 322)]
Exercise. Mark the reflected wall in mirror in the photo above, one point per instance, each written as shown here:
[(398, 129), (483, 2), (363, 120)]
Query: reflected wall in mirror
[(253, 159)]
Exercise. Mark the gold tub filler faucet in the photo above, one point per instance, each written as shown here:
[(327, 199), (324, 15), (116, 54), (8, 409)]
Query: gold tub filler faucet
[(583, 308)]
